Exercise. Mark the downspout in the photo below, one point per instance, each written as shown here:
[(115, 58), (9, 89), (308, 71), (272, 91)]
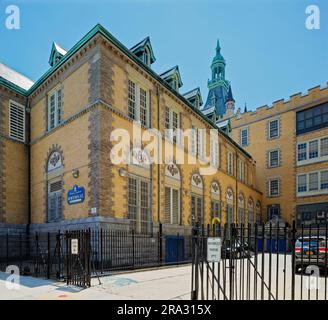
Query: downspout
[(236, 181), (158, 153), (28, 140)]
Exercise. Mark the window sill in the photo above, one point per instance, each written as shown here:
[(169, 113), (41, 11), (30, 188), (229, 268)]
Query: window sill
[(312, 193), (311, 161)]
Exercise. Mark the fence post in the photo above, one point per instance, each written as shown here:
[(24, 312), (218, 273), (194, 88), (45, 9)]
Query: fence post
[(101, 250), (133, 249), (293, 240), (20, 252), (160, 243), (7, 249), (36, 254), (58, 246), (49, 256)]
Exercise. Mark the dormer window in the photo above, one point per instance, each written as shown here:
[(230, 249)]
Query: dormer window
[(172, 78), (146, 57), (143, 50)]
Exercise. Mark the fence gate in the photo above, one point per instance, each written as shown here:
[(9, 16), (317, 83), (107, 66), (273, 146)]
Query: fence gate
[(78, 258), (245, 271)]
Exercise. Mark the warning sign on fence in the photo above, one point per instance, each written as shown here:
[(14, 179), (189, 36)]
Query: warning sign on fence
[(74, 246), (214, 249)]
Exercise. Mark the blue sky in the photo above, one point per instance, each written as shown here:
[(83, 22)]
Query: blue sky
[(269, 52)]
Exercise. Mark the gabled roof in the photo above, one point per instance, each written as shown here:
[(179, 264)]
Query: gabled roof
[(14, 77), (140, 47), (99, 29), (167, 75), (56, 50), (192, 94)]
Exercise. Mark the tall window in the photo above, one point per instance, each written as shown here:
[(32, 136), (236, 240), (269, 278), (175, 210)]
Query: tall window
[(273, 129), (274, 187), (241, 209), (172, 194), (230, 163), (229, 209), (215, 201), (324, 147), (16, 121), (274, 156), (301, 151), (193, 142), (201, 143), (250, 211), (138, 103), (215, 153), (54, 187), (312, 119), (139, 204), (244, 137), (301, 183), (313, 149), (197, 193), (172, 124), (241, 170), (258, 212), (54, 109)]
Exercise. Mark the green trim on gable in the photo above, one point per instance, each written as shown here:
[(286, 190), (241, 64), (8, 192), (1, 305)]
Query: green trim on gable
[(4, 82), (101, 30)]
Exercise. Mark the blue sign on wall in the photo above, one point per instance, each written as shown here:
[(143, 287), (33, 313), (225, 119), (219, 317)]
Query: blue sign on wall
[(75, 195)]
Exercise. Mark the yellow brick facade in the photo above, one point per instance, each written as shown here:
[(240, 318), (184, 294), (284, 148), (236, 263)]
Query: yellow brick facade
[(94, 93), (259, 145)]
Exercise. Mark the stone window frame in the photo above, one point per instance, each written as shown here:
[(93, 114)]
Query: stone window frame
[(269, 137), (269, 181), (269, 166)]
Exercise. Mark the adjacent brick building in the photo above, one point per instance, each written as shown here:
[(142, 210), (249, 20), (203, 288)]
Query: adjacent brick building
[(289, 141)]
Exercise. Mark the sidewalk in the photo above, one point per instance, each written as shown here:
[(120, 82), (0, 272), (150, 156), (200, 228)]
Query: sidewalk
[(167, 284)]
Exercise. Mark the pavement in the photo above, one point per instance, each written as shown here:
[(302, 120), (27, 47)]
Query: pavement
[(174, 284)]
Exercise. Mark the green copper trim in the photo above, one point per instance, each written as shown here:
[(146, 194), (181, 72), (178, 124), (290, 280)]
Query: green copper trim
[(13, 86)]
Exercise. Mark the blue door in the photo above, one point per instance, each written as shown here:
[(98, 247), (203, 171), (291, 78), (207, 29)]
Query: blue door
[(174, 249)]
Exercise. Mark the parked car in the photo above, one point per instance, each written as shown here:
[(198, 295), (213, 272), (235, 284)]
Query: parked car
[(236, 249), (311, 251)]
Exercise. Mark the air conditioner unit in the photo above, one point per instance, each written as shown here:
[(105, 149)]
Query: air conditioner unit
[(321, 215)]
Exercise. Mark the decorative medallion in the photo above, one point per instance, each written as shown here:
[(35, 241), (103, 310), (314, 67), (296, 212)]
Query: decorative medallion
[(55, 161), (173, 170)]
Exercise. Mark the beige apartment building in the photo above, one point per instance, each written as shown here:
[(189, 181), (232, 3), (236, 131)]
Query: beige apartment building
[(289, 142)]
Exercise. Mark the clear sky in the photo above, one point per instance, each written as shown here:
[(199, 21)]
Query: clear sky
[(269, 52)]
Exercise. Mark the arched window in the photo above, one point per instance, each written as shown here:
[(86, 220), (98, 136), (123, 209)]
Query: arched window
[(241, 209), (250, 211), (229, 209), (172, 194), (54, 172), (139, 190), (258, 212), (215, 201), (197, 194)]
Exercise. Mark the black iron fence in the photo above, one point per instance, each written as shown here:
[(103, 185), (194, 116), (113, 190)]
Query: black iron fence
[(261, 262), (49, 255)]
